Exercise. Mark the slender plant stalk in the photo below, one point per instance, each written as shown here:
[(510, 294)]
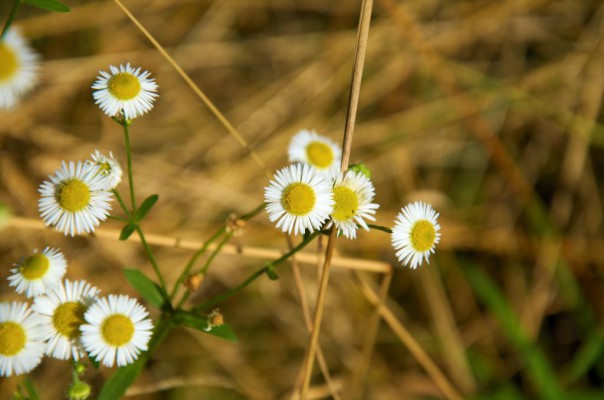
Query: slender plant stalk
[(204, 247), (194, 259), (122, 205), (370, 336), (380, 228), (223, 120), (132, 215), (308, 322), (207, 264), (10, 19), (227, 295), (409, 341), (355, 89), (160, 278), (124, 123)]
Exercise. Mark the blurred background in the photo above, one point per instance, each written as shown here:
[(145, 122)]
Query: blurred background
[(490, 111)]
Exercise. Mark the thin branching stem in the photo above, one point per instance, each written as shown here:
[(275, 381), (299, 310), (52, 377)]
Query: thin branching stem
[(380, 228), (227, 295), (202, 249), (206, 265)]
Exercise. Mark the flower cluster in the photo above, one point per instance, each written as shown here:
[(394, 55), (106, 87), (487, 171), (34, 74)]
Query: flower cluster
[(312, 194), (77, 197), (68, 320)]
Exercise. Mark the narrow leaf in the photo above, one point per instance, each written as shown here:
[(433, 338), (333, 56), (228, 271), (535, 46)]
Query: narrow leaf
[(120, 381), (146, 206), (127, 231), (145, 287), (201, 324), (50, 5), (30, 389), (536, 363)]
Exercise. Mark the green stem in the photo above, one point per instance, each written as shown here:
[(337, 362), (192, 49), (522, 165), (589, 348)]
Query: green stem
[(193, 260), (380, 228), (199, 252), (123, 205), (11, 17), (124, 124), (160, 278), (227, 295), (207, 264)]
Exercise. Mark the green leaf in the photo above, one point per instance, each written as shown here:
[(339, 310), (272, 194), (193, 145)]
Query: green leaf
[(30, 389), (50, 5), (201, 324), (146, 206), (127, 231), (120, 381), (145, 287), (537, 365)]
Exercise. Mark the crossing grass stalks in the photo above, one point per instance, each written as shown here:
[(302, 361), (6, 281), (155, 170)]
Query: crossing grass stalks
[(491, 111)]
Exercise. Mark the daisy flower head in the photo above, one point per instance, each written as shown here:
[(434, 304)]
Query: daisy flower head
[(37, 274), (125, 89), (21, 339), (116, 330), (318, 151), (415, 233), (18, 68), (61, 312), (353, 193), (298, 199), (108, 167), (75, 200)]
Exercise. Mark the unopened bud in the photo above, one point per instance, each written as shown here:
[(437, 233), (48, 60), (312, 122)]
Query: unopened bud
[(235, 225), (360, 168), (78, 391), (80, 368), (193, 282), (215, 319)]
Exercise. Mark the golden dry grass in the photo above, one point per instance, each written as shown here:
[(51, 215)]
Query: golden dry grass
[(491, 111)]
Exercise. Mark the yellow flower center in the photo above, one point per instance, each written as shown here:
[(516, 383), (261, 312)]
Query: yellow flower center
[(104, 168), (68, 317), (12, 338), (73, 195), (117, 330), (124, 86), (422, 235), (9, 64), (347, 203), (34, 267), (298, 199), (319, 154)]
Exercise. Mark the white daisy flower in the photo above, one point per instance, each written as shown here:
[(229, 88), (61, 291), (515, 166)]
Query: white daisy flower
[(61, 315), (108, 167), (116, 328), (21, 339), (18, 68), (75, 199), (38, 273), (415, 233), (298, 198), (125, 89), (318, 151), (352, 193)]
